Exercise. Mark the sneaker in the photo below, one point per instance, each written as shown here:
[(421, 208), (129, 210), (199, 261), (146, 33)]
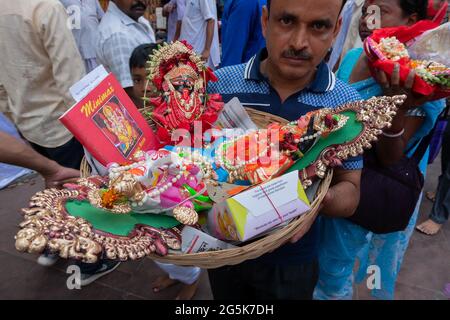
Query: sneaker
[(106, 267), (48, 259)]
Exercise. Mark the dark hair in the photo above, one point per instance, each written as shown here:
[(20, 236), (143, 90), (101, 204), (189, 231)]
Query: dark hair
[(268, 4), (410, 7), (141, 54)]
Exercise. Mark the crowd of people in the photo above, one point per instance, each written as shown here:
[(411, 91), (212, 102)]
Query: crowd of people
[(278, 56)]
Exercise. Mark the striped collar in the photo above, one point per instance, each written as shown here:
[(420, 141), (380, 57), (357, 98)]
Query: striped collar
[(324, 81)]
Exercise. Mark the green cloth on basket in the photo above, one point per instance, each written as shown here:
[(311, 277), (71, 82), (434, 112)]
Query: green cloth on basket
[(117, 224)]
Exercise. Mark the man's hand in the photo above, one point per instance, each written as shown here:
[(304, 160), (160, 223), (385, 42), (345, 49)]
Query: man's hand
[(341, 200), (55, 176), (168, 9), (205, 55), (326, 201), (300, 234)]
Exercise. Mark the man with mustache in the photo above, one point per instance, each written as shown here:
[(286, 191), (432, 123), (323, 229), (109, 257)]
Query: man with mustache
[(122, 29), (290, 78)]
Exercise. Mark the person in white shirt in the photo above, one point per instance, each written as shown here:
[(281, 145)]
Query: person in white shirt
[(175, 10), (122, 29), (85, 33), (199, 28)]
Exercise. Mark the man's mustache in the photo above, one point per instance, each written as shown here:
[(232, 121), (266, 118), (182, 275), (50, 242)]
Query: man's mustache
[(297, 54), (139, 5)]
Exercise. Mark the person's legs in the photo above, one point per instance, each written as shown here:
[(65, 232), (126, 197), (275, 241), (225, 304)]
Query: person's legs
[(445, 153), (341, 240), (285, 282), (228, 283), (93, 271), (68, 155), (251, 280), (387, 251), (188, 276), (441, 207)]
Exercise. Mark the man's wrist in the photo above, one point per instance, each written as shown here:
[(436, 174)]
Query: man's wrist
[(47, 167)]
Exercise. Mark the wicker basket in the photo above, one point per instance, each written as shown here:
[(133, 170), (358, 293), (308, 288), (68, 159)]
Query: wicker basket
[(216, 259), (253, 250)]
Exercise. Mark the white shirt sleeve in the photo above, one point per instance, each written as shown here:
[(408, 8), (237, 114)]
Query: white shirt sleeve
[(207, 9), (181, 8)]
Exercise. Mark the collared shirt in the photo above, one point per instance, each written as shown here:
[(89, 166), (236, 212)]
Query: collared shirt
[(241, 31), (176, 15), (85, 33), (39, 62), (193, 28), (246, 82), (118, 36)]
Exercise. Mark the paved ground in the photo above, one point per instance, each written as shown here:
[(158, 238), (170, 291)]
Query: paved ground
[(425, 272)]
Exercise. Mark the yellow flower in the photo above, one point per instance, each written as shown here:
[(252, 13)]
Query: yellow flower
[(109, 198)]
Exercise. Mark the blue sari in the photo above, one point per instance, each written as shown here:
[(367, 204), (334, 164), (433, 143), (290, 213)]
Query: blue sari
[(343, 241)]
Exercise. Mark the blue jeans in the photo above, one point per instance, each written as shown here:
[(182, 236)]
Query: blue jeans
[(342, 242), (441, 208)]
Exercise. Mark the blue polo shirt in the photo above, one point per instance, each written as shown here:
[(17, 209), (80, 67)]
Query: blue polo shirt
[(246, 82)]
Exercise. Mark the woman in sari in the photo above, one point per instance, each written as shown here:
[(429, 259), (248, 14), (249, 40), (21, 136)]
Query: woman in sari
[(342, 241)]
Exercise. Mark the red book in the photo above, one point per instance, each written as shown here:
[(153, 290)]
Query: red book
[(108, 124)]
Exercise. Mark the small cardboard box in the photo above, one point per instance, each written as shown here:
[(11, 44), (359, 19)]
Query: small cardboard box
[(259, 209)]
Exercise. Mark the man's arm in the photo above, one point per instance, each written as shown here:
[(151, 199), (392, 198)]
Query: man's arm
[(181, 9), (207, 10), (342, 198), (67, 64), (169, 7), (178, 31), (15, 152), (209, 38)]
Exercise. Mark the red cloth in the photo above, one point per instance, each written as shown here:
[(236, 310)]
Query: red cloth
[(404, 34), (438, 14)]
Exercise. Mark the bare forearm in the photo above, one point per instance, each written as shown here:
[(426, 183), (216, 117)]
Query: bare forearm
[(178, 31), (209, 34), (343, 207), (342, 199), (13, 151), (390, 149)]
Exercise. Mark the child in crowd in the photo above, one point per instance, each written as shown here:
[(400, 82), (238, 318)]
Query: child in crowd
[(138, 61)]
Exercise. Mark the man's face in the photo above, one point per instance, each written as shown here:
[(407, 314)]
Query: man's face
[(132, 8), (299, 34)]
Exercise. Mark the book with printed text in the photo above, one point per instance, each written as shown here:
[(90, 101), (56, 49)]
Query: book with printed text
[(108, 124)]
